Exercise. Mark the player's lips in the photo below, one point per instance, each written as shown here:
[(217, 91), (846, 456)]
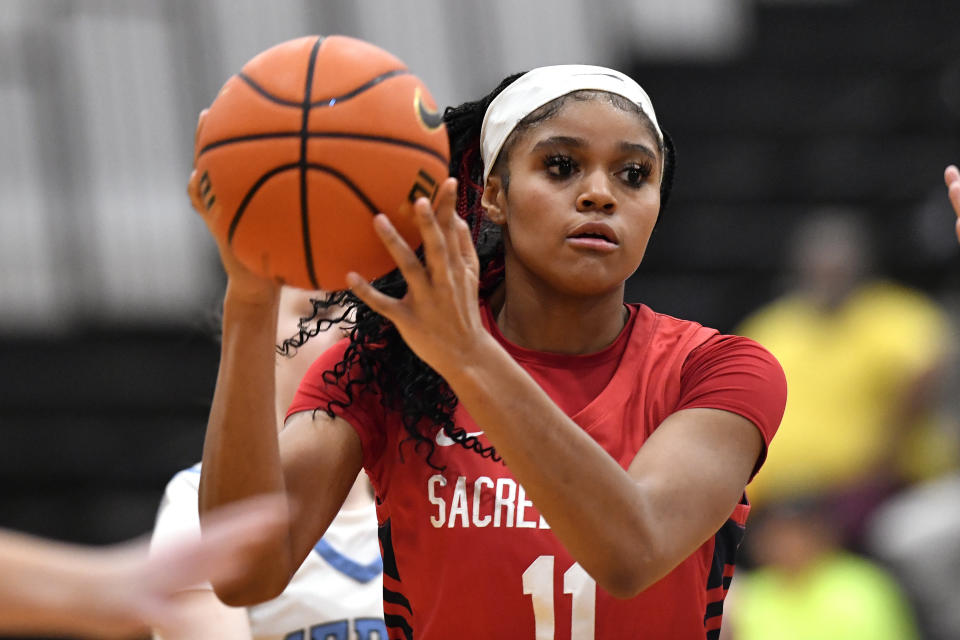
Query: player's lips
[(594, 235)]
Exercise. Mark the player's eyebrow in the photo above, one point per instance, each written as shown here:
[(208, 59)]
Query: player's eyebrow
[(633, 147), (558, 141), (579, 143)]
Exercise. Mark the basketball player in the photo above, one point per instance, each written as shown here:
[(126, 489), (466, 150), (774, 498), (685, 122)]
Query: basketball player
[(118, 592), (337, 592), (548, 461)]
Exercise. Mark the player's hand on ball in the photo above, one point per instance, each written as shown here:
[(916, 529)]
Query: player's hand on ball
[(240, 280), (439, 317), (952, 178)]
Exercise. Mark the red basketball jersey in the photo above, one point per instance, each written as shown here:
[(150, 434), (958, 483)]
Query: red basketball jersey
[(466, 553)]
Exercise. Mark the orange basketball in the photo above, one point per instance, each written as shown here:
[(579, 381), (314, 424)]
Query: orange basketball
[(302, 147)]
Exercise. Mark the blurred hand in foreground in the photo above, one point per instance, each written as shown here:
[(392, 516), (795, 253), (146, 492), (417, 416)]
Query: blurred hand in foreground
[(120, 591), (952, 179)]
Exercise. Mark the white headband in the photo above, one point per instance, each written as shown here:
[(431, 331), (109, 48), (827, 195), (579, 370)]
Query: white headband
[(539, 86)]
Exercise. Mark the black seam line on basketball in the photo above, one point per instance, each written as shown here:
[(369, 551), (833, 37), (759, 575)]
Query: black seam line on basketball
[(345, 180), (326, 134), (235, 222), (304, 130), (266, 94), (325, 102), (252, 192), (369, 84)]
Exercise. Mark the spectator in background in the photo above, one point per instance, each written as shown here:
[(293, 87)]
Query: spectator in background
[(861, 355), (808, 587)]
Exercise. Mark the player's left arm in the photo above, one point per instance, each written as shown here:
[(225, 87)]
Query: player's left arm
[(627, 529), (692, 472)]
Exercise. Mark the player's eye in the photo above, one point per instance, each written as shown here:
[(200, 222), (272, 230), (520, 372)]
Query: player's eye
[(635, 174), (560, 166)]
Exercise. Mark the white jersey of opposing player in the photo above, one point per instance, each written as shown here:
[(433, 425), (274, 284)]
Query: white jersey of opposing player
[(336, 594)]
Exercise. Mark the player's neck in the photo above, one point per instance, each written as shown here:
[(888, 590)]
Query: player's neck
[(557, 323)]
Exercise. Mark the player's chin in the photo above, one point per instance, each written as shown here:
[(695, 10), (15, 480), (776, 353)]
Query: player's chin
[(593, 281), (604, 271)]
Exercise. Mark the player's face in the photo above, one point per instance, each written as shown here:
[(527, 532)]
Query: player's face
[(582, 199)]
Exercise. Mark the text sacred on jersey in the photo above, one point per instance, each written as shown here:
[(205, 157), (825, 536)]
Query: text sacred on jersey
[(484, 502)]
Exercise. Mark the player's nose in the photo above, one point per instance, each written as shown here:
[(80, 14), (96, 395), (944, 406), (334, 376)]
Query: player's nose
[(596, 193)]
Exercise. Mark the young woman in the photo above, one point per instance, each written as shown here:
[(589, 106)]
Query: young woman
[(338, 590), (549, 462)]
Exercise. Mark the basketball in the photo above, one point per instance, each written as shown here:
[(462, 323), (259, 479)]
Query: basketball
[(305, 145)]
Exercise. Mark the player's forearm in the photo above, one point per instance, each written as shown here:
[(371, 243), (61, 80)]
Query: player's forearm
[(241, 453), (205, 616), (588, 499), (47, 586)]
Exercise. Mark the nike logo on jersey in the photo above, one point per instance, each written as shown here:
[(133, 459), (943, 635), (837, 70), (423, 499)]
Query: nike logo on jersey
[(445, 441)]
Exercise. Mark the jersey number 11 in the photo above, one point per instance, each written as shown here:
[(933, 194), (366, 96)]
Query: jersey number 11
[(538, 584)]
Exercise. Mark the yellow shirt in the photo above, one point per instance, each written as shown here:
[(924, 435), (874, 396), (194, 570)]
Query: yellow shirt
[(843, 598), (847, 371)]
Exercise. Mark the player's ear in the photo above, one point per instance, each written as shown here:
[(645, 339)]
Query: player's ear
[(494, 200)]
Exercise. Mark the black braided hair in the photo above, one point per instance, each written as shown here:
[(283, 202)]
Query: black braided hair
[(377, 358)]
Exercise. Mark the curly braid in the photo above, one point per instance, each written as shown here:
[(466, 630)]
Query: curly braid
[(377, 358)]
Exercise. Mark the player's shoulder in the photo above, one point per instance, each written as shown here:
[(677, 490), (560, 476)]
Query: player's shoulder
[(664, 329)]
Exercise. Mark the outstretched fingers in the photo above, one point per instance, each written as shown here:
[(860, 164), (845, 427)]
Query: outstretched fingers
[(407, 262), (447, 203), (450, 261), (468, 252), (951, 178), (383, 304), (435, 245)]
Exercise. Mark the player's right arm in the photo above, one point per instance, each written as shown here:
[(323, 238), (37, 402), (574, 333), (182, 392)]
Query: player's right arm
[(314, 461)]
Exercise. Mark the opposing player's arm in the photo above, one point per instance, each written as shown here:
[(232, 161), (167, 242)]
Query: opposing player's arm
[(119, 591), (203, 615)]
